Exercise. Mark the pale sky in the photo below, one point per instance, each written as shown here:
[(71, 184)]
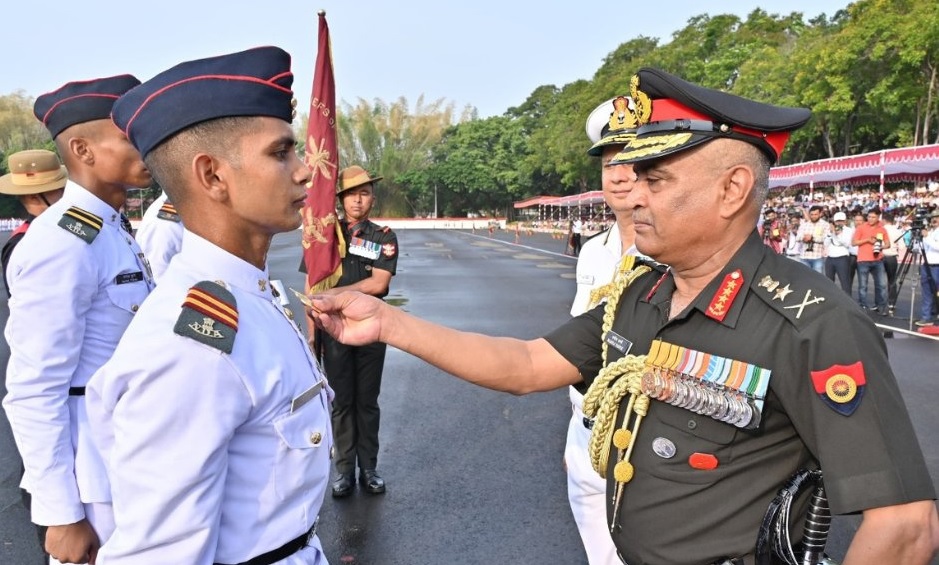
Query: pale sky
[(488, 53)]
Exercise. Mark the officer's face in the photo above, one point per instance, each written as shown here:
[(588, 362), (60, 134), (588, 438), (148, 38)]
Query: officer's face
[(357, 202), (266, 186), (616, 181), (116, 160), (676, 205)]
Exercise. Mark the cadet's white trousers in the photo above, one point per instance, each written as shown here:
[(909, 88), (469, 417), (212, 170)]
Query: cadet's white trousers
[(586, 491)]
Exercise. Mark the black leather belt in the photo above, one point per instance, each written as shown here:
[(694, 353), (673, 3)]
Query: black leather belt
[(284, 551), (76, 391), (726, 561)]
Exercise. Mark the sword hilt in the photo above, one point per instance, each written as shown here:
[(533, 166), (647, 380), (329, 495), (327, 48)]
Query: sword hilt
[(817, 526)]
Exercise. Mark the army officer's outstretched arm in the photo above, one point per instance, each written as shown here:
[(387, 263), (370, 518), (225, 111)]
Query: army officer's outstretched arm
[(500, 363)]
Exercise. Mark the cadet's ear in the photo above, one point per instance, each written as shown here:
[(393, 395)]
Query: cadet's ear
[(81, 150), (208, 176)]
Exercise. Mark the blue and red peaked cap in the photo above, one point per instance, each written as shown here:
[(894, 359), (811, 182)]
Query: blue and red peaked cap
[(685, 115), (255, 82), (81, 101)]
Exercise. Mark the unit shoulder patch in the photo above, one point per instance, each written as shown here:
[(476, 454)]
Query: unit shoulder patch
[(168, 212), (841, 386), (209, 315), (81, 223)]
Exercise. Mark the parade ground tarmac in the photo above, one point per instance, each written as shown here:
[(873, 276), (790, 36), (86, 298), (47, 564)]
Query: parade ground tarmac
[(474, 476)]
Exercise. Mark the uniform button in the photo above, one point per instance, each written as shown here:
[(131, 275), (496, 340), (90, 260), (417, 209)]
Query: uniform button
[(316, 438), (692, 424), (134, 308)]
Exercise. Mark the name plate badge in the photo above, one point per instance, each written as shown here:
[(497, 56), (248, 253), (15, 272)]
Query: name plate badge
[(618, 342), (305, 397)]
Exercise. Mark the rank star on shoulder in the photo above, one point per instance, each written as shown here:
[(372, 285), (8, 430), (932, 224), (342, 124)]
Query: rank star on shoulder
[(782, 293)]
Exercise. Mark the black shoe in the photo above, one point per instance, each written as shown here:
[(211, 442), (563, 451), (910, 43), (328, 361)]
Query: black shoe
[(343, 485), (371, 482)]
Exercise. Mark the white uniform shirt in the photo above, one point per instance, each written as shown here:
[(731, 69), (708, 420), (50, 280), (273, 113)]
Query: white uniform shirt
[(596, 265), (208, 461), (69, 308), (160, 238)]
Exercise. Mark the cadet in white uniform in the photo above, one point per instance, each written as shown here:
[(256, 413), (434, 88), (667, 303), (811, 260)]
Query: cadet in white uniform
[(212, 414), (76, 278), (160, 234), (609, 127)]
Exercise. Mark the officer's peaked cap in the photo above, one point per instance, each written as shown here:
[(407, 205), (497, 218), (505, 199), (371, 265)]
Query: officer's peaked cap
[(613, 122), (685, 115), (255, 82), (81, 101)]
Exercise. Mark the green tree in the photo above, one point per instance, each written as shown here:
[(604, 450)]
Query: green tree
[(475, 167), (19, 128), (391, 140)]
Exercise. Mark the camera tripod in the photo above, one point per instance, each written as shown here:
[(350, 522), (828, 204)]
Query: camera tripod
[(914, 254)]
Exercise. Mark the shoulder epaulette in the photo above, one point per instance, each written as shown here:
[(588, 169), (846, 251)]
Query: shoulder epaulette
[(209, 315), (82, 223), (384, 229), (798, 296), (168, 212)]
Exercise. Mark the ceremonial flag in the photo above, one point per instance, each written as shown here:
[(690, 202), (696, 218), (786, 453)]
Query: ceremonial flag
[(321, 233)]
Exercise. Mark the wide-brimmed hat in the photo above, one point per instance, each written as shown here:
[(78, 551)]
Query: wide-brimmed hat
[(33, 171), (685, 115), (352, 177)]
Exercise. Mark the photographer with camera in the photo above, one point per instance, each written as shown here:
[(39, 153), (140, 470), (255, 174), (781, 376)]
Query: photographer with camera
[(814, 235), (929, 268), (871, 239)]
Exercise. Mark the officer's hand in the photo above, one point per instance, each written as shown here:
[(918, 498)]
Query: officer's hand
[(352, 318), (73, 543)]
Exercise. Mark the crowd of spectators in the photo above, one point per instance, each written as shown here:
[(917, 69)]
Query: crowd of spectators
[(858, 235)]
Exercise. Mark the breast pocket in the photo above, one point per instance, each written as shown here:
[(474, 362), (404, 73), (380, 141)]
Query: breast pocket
[(129, 296), (305, 442), (671, 436)]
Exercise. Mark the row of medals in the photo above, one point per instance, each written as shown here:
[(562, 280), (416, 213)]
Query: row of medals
[(701, 397)]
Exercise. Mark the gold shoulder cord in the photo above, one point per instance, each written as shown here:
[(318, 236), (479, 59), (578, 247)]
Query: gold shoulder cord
[(611, 385)]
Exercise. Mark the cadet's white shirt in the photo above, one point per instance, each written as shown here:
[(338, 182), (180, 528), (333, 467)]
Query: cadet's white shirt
[(160, 239), (596, 265), (67, 313), (206, 460)]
